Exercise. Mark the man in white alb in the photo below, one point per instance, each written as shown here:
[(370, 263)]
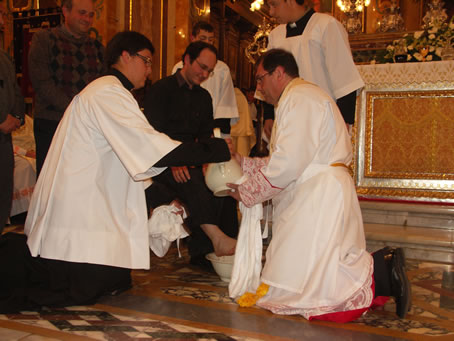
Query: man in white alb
[(316, 264)]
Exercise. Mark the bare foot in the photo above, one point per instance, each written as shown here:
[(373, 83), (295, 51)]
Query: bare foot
[(224, 246)]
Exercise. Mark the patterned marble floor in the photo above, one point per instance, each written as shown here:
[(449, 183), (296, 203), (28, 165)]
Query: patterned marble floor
[(175, 301)]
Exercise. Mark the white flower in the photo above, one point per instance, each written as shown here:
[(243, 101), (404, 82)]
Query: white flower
[(432, 36), (418, 34), (390, 48), (431, 49), (438, 51), (418, 56), (429, 57), (410, 47), (433, 30)]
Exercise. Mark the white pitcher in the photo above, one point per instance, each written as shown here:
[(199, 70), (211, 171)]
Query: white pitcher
[(219, 174)]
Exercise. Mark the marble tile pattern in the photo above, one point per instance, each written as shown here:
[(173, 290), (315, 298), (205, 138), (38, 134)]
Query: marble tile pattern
[(174, 300), (101, 325)]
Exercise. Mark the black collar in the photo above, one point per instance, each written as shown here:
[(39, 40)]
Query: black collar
[(297, 28), (121, 77), (182, 82)]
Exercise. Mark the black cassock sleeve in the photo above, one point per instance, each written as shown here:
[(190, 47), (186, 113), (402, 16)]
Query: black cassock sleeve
[(196, 153), (186, 154), (347, 107)]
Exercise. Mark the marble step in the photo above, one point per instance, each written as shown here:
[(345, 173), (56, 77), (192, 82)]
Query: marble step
[(426, 232), (400, 214), (423, 243)]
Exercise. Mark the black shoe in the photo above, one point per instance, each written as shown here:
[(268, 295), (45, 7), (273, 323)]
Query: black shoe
[(400, 285)]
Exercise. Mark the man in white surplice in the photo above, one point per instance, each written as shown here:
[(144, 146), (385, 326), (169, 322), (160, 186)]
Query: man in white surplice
[(316, 264), (87, 221), (320, 46)]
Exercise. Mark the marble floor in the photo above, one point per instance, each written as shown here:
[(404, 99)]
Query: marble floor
[(176, 301)]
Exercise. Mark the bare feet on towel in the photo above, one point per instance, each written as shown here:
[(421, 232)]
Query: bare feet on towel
[(223, 245)]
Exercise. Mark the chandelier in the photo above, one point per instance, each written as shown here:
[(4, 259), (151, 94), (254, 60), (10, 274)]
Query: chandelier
[(352, 10), (348, 6), (260, 43), (203, 10), (255, 5)]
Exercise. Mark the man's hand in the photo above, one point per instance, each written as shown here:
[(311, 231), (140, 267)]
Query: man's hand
[(267, 127), (9, 125), (234, 191), (179, 206), (31, 153), (180, 174)]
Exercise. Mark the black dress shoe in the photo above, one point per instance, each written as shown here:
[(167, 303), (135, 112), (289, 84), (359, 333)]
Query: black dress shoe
[(400, 285)]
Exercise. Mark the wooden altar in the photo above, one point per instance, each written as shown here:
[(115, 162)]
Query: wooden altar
[(404, 133)]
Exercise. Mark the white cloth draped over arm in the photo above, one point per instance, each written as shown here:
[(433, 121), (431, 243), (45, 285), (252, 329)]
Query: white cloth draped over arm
[(247, 264)]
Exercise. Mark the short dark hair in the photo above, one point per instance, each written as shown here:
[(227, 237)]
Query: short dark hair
[(194, 49), (129, 41), (299, 2), (67, 3), (201, 25), (273, 58)]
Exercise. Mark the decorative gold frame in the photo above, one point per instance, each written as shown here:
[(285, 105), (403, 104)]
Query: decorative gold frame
[(387, 180), (13, 8)]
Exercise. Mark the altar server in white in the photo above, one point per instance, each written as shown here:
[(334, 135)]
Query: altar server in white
[(87, 221), (316, 264), (219, 84), (320, 46)]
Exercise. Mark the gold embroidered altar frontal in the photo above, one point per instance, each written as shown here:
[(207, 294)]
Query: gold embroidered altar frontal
[(404, 133)]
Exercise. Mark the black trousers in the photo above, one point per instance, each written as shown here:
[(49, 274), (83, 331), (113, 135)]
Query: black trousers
[(30, 283), (6, 178), (44, 131), (203, 207)]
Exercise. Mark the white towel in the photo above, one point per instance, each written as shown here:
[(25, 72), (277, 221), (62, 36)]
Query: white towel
[(165, 226), (247, 264)]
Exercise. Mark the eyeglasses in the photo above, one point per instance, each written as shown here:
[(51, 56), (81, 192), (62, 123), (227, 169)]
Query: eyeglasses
[(259, 79), (146, 60), (205, 68)]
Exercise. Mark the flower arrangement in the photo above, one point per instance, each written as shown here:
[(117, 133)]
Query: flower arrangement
[(421, 45)]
